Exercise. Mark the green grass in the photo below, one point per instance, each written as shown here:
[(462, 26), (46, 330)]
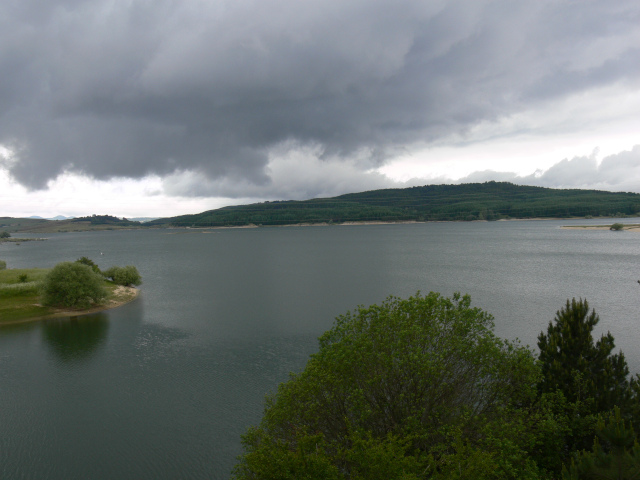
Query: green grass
[(20, 300), (12, 276)]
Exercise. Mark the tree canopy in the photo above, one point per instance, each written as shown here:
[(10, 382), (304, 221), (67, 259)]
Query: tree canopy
[(126, 276), (397, 390), (422, 388), (73, 284), (579, 367)]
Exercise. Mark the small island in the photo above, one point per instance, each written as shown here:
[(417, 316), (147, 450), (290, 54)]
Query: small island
[(68, 289), (616, 227)]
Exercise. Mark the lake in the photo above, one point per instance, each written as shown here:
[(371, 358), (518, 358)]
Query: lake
[(163, 387)]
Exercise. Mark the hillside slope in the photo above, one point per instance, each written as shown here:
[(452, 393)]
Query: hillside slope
[(474, 201)]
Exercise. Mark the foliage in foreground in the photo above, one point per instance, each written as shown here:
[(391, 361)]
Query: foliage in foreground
[(408, 389), (72, 284), (590, 376), (568, 349), (421, 388), (615, 454)]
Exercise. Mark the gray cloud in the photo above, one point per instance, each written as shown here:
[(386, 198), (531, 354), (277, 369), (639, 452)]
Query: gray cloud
[(619, 172), (128, 88)]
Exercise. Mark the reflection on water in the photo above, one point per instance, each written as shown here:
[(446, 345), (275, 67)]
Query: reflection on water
[(75, 338)]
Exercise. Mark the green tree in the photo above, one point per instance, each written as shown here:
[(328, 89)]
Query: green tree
[(409, 389), (90, 263), (3, 264), (126, 276), (617, 226), (72, 284), (615, 454), (5, 234), (582, 370)]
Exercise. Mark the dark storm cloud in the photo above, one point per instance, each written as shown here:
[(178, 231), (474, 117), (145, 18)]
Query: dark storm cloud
[(128, 88)]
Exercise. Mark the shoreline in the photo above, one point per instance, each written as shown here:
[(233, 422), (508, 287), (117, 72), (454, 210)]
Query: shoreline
[(123, 295), (389, 222)]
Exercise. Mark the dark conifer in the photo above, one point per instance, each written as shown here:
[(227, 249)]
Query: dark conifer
[(583, 370), (615, 454)]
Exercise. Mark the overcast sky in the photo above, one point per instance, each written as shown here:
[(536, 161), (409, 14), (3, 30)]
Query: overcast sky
[(164, 107)]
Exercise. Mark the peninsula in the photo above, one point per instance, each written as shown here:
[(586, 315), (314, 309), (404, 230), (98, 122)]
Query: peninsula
[(25, 294)]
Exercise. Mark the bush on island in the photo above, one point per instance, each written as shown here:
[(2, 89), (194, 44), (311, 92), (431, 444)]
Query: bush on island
[(5, 234), (89, 263), (125, 276), (72, 284), (3, 264), (617, 227)]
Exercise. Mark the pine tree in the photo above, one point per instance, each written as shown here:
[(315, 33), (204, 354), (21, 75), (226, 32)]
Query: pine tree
[(583, 370), (618, 460)]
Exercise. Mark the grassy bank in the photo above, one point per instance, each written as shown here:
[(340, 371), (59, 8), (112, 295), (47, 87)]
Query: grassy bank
[(20, 297)]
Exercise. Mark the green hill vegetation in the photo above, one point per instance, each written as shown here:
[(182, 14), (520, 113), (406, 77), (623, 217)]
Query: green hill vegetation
[(467, 202), (40, 225)]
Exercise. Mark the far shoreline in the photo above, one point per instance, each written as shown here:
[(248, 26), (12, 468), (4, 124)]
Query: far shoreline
[(199, 228)]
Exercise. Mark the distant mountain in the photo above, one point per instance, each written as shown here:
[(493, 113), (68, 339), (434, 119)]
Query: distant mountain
[(466, 202), (143, 219), (58, 217), (93, 222)]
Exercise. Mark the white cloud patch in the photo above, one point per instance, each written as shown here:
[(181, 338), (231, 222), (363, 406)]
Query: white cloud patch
[(618, 172)]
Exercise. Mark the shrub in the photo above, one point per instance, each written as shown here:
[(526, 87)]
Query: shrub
[(89, 263), (72, 284), (5, 234), (126, 276), (3, 264), (617, 226), (23, 277)]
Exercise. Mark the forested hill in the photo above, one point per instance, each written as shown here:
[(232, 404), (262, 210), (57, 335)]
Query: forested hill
[(466, 202)]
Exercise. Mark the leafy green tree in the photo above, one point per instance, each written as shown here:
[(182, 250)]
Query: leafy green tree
[(126, 276), (617, 226), (3, 264), (87, 261), (72, 284), (582, 370), (415, 388), (5, 234)]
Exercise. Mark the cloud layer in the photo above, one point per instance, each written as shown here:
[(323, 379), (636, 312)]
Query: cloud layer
[(224, 92), (619, 172)]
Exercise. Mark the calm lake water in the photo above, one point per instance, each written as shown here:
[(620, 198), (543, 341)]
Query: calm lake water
[(163, 387)]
